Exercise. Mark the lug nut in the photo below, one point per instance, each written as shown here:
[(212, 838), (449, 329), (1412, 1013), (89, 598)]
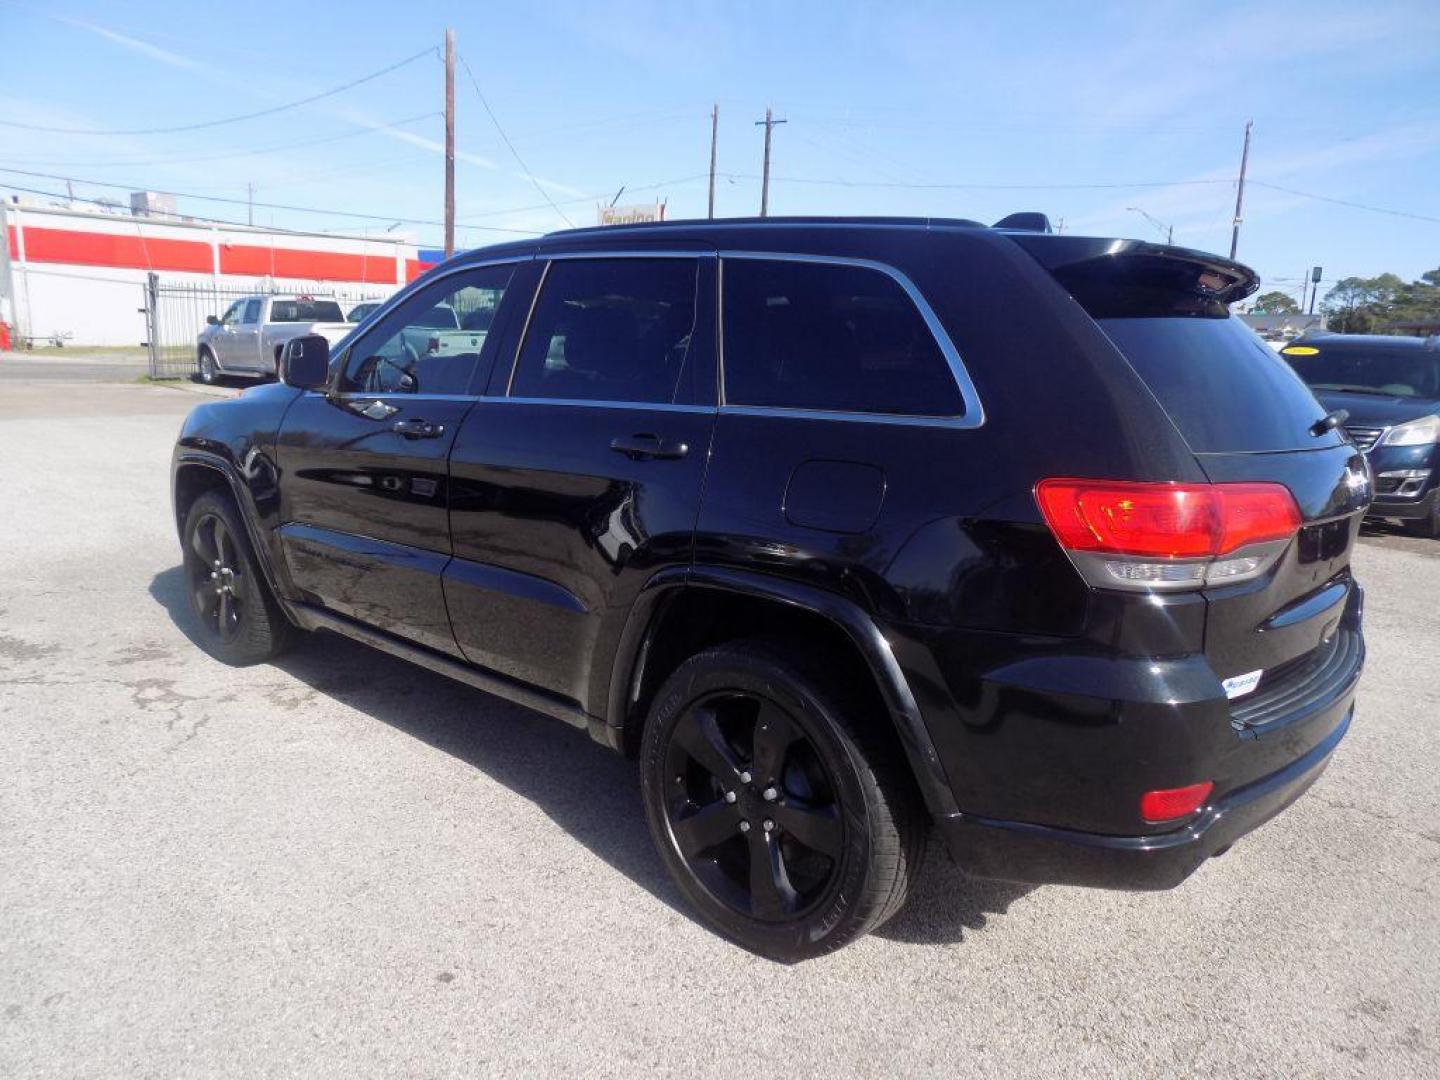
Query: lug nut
[(771, 794), (768, 825), (744, 826), (729, 796), (745, 777)]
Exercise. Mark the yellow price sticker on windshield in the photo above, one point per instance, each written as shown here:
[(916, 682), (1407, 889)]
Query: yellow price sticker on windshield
[(1300, 350)]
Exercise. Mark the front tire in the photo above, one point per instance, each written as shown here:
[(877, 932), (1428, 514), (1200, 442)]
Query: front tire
[(1428, 526), (239, 621), (209, 370), (780, 808)]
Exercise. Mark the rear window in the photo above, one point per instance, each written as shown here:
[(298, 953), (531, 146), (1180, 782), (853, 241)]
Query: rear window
[(1410, 373), (305, 311), (1225, 389)]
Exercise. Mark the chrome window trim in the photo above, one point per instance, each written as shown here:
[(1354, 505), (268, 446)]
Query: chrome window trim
[(589, 403), (550, 260), (974, 415)]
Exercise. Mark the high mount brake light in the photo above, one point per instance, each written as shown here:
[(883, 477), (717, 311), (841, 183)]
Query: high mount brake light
[(1124, 534)]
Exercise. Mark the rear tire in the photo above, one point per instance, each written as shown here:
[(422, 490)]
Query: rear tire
[(239, 621), (209, 370), (782, 810)]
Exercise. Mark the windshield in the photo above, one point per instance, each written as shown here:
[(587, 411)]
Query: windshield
[(305, 310), (1407, 373)]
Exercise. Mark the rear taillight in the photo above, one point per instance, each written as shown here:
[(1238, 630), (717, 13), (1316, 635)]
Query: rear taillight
[(1123, 534), (1169, 804)]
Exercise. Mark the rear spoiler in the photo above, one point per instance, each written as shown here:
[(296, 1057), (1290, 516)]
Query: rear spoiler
[(1207, 277)]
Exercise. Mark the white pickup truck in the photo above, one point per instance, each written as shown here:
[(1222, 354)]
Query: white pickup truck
[(247, 339)]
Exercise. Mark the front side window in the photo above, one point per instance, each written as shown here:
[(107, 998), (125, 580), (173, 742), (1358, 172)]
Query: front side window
[(432, 342), (609, 330), (232, 313), (252, 312), (832, 338)]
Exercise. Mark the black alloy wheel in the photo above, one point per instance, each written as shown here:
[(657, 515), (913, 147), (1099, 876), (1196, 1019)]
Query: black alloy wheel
[(217, 578), (778, 797), (240, 623), (751, 807)]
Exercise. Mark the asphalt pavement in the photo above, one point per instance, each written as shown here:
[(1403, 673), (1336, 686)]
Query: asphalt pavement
[(342, 865)]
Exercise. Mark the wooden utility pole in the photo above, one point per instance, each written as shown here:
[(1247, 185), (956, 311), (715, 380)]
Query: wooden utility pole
[(1240, 190), (714, 135), (449, 143), (765, 178)]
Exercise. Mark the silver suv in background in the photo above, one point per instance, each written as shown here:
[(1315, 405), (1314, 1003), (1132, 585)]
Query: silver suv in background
[(247, 339)]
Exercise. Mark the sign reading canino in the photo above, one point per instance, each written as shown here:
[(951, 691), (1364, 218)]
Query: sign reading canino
[(634, 214)]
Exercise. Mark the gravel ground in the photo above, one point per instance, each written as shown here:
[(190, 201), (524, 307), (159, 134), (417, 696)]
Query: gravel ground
[(342, 865)]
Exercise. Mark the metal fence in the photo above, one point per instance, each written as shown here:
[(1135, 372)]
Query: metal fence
[(175, 313)]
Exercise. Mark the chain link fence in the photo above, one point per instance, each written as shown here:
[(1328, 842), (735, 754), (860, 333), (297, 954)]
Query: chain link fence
[(175, 313)]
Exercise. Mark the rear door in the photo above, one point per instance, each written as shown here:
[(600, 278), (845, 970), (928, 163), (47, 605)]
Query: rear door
[(579, 476), (365, 499)]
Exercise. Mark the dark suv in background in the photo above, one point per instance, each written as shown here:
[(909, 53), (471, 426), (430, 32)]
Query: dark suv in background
[(1390, 389), (846, 529)]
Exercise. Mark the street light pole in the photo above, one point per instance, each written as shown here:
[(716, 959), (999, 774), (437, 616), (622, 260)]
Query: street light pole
[(1168, 230)]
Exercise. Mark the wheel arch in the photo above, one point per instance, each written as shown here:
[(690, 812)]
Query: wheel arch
[(196, 473), (682, 611)]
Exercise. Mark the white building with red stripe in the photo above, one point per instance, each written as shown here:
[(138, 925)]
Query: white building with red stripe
[(78, 274)]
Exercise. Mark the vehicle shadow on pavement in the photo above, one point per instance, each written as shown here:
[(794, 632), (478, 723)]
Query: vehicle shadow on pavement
[(589, 791)]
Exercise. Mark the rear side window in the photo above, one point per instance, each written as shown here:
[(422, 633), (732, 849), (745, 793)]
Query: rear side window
[(305, 310), (252, 312), (1225, 389), (832, 338), (609, 330)]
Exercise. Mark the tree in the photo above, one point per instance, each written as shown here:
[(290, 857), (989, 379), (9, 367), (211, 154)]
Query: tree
[(1358, 305), (1276, 303)]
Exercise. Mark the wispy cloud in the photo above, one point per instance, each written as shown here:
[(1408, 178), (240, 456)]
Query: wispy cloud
[(144, 48)]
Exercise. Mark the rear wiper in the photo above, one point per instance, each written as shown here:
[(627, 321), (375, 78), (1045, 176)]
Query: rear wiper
[(1329, 422)]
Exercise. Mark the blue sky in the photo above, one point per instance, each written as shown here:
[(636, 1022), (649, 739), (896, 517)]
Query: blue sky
[(997, 107)]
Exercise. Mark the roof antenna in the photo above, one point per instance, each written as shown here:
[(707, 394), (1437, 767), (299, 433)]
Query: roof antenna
[(1025, 221)]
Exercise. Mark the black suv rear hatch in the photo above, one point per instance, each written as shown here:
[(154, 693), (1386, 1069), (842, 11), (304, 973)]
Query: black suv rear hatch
[(1278, 640)]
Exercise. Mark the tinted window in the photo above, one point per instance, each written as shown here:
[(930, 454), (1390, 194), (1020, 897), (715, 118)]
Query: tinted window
[(305, 310), (1399, 372), (415, 351), (801, 335), (609, 330), (252, 311), (1224, 388)]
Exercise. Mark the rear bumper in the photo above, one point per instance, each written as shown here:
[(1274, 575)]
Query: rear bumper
[(1017, 851)]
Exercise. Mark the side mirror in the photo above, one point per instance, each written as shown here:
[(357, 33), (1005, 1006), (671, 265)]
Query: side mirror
[(305, 362), (211, 320)]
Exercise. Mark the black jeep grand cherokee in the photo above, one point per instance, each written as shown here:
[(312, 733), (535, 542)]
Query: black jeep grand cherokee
[(844, 528)]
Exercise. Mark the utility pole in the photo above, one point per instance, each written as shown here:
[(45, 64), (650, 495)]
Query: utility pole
[(249, 203), (765, 178), (1240, 189), (449, 143), (714, 136)]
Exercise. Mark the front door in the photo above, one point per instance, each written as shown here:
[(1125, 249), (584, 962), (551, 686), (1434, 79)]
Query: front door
[(365, 498), (579, 476), (223, 339), (244, 339)]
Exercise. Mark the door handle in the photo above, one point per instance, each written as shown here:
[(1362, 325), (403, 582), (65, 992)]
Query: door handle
[(646, 447), (418, 429)]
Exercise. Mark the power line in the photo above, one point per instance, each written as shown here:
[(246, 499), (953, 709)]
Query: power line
[(226, 120), (141, 162), (513, 152), (1346, 202), (829, 182), (241, 202), (587, 198)]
